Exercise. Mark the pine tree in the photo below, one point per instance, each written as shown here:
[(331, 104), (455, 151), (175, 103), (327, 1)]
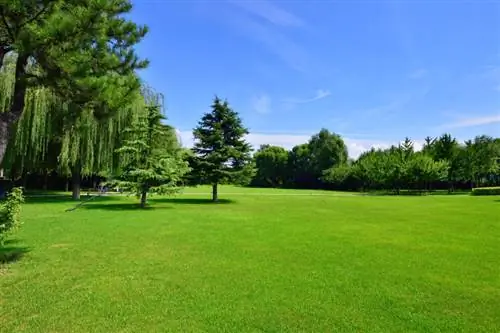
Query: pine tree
[(220, 148), (151, 161), (83, 50)]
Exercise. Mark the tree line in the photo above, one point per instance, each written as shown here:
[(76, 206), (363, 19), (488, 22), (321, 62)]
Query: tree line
[(443, 163)]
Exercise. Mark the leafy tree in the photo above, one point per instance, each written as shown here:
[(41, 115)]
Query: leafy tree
[(423, 170), (337, 176), (83, 50), (300, 166), (151, 162), (272, 164), (484, 158), (445, 148), (327, 150), (220, 148)]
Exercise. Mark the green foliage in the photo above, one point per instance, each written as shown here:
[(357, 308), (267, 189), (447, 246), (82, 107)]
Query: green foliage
[(271, 163), (486, 191), (221, 151), (337, 175), (151, 162), (327, 150), (300, 166), (10, 211), (82, 51)]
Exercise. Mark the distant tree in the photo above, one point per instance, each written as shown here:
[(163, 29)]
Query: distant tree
[(484, 156), (445, 148), (271, 163), (327, 150), (300, 167), (220, 149), (337, 176), (423, 170), (151, 161)]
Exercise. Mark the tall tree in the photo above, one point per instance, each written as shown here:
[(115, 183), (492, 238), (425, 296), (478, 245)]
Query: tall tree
[(81, 49), (220, 148), (151, 161)]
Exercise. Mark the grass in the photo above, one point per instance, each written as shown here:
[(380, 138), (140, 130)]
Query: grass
[(260, 261)]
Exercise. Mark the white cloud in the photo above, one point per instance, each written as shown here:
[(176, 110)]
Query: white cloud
[(475, 121), (261, 104), (270, 12), (354, 146), (320, 94), (418, 73)]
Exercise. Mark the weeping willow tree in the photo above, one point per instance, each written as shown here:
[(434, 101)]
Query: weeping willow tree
[(55, 135)]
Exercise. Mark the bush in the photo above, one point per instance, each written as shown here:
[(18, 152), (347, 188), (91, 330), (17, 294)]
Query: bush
[(486, 191), (10, 210)]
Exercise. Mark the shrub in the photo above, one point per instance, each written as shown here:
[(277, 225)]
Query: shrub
[(486, 191), (10, 211)]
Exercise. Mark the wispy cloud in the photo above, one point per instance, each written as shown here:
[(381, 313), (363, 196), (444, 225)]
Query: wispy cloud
[(474, 121), (270, 12), (276, 42), (418, 74), (263, 27), (261, 104), (385, 108), (320, 94), (398, 102)]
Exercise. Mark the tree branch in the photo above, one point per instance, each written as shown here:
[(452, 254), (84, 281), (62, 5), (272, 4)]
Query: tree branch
[(7, 26), (35, 17)]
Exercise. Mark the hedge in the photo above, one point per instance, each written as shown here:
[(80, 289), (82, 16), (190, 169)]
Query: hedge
[(486, 191)]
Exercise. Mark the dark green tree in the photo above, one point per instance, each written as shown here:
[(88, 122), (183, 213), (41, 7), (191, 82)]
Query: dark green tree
[(300, 167), (272, 164), (151, 161), (327, 150), (220, 148), (83, 50)]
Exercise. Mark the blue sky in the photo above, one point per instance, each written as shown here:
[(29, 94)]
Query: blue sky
[(372, 71)]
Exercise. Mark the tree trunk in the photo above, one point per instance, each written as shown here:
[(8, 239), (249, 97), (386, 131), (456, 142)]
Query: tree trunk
[(45, 180), (2, 56), (5, 133), (66, 188), (25, 181), (215, 194), (144, 196), (76, 180)]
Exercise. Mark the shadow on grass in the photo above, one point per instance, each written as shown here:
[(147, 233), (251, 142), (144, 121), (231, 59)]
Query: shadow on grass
[(10, 253), (192, 201), (132, 206), (64, 199)]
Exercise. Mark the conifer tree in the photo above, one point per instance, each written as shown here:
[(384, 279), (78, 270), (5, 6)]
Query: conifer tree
[(220, 148), (151, 161)]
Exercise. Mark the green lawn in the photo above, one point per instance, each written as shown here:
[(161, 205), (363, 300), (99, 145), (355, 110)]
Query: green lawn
[(260, 261)]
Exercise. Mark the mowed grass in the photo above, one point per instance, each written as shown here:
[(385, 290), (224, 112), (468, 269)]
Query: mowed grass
[(259, 261)]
